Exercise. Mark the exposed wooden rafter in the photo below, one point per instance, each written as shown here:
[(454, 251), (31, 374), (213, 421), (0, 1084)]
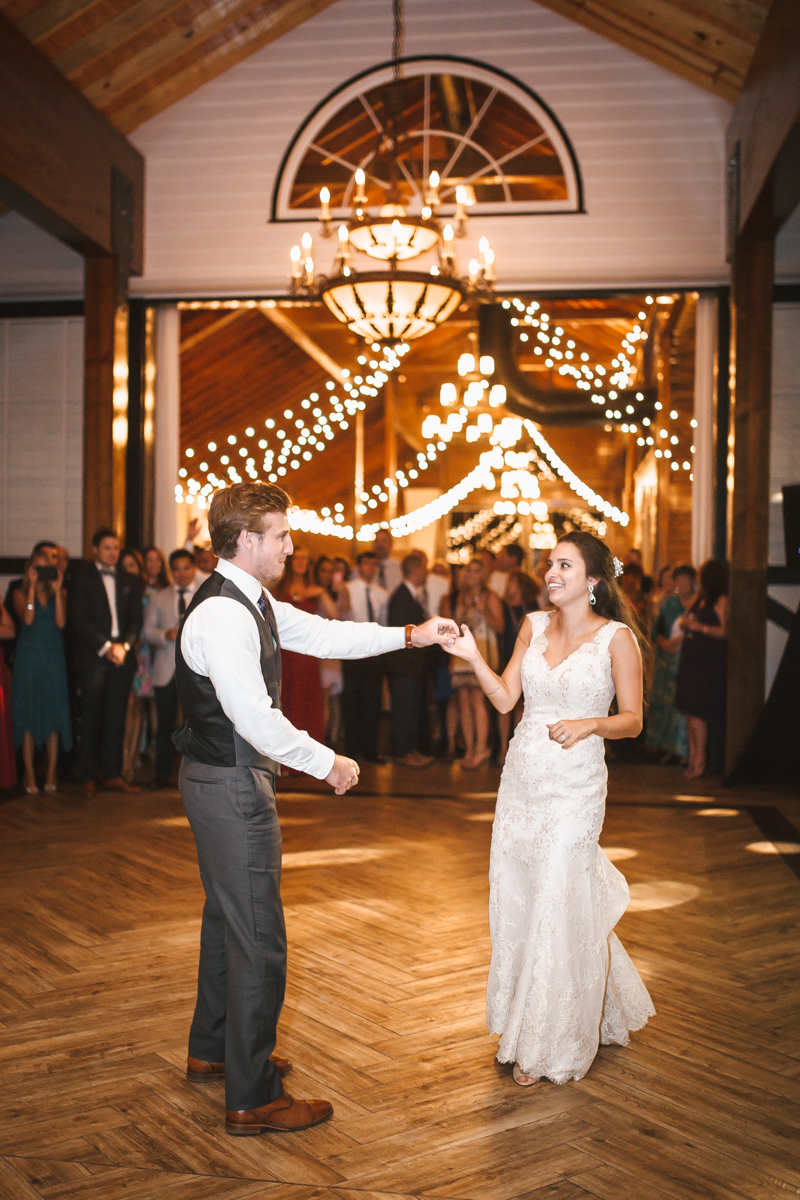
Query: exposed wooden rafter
[(134, 58), (709, 42)]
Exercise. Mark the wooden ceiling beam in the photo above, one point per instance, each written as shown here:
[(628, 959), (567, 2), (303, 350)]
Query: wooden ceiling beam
[(661, 33), (58, 154), (218, 44), (46, 19), (762, 137), (111, 36), (284, 322)]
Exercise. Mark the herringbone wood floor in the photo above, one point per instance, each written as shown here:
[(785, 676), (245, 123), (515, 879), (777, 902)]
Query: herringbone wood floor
[(385, 895)]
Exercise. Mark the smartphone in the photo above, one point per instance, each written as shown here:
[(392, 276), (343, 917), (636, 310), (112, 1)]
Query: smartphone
[(47, 574)]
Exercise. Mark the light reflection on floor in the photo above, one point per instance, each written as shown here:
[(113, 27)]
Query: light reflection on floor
[(774, 847), (481, 816), (717, 812), (660, 893), (334, 858), (618, 853), (695, 799)]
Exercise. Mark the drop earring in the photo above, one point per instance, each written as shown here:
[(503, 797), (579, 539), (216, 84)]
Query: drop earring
[(592, 598)]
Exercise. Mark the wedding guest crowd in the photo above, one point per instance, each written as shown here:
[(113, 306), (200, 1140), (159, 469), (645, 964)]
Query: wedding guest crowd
[(92, 653)]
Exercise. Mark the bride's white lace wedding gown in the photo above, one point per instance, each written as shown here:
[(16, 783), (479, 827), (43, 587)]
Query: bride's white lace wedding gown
[(560, 981)]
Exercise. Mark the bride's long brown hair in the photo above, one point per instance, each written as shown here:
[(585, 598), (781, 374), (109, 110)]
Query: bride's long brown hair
[(610, 600)]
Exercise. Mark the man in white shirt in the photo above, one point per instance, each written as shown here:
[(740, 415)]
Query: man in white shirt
[(509, 559), (234, 737), (363, 677), (389, 574), (165, 611)]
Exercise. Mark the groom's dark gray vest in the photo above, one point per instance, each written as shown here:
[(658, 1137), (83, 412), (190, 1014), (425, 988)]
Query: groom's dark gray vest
[(207, 735)]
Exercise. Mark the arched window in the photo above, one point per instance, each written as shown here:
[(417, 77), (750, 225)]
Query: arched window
[(475, 126)]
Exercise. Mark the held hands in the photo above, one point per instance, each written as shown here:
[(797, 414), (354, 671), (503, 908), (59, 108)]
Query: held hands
[(567, 733), (464, 646), (116, 654), (438, 631), (343, 775)]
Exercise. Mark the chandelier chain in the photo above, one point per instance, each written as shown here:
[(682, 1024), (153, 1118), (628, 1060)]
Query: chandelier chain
[(398, 35)]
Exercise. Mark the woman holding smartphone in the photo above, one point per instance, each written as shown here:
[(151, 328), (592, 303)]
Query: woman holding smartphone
[(39, 692)]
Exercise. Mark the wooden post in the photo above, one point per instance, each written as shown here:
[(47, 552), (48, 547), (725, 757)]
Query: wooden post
[(390, 444), (748, 470), (358, 474), (661, 556), (105, 399)]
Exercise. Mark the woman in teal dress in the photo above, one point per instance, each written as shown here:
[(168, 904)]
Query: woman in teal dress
[(666, 728), (39, 691)]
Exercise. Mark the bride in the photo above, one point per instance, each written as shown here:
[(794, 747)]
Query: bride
[(560, 981)]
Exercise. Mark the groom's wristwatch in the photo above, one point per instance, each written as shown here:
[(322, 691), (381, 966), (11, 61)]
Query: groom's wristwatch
[(409, 630)]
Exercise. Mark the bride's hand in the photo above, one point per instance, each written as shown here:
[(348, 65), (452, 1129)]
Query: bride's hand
[(567, 733), (464, 646)]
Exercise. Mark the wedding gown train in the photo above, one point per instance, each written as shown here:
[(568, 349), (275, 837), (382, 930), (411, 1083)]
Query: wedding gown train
[(560, 980)]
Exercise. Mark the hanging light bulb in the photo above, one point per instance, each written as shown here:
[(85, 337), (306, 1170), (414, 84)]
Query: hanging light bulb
[(497, 395), (325, 211), (462, 197), (466, 364), (433, 188), (486, 364), (448, 394), (360, 196)]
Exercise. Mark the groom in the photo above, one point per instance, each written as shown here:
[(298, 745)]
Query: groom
[(228, 672)]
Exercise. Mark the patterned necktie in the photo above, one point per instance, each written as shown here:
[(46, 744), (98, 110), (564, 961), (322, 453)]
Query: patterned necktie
[(370, 611), (263, 607), (181, 602)]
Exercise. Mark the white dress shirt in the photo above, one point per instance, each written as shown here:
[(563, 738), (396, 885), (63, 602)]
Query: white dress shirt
[(221, 641), (437, 587), (110, 584), (389, 576), (498, 581), (357, 590)]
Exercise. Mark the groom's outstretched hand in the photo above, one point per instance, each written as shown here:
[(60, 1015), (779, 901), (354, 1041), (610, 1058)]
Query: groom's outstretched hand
[(343, 775), (439, 631)]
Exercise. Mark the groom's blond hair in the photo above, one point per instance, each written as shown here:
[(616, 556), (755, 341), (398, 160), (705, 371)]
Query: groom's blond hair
[(242, 506)]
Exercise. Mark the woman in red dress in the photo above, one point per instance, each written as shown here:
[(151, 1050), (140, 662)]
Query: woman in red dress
[(302, 699), (8, 758)]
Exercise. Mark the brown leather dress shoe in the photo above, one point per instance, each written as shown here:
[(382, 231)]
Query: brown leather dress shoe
[(119, 785), (88, 787), (200, 1071), (284, 1115)]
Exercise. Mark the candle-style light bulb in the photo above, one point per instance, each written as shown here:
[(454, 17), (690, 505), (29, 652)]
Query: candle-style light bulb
[(433, 188), (306, 241), (474, 270), (483, 245), (461, 210), (360, 196), (294, 255)]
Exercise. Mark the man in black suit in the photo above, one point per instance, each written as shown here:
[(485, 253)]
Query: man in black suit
[(105, 616), (407, 671)]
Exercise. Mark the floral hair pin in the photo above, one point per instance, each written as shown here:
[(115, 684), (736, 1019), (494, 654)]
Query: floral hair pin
[(618, 567)]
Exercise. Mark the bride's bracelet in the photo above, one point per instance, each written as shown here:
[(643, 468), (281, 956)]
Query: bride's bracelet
[(489, 695)]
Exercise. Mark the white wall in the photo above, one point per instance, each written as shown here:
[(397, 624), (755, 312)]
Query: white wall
[(34, 265), (41, 433), (650, 147)]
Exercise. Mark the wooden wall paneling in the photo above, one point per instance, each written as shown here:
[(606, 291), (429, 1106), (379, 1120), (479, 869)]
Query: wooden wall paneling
[(749, 456), (58, 153)]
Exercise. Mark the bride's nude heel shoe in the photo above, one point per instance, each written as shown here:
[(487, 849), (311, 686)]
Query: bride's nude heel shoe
[(521, 1078)]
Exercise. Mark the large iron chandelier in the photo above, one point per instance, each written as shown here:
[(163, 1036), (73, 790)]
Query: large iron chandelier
[(393, 304)]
